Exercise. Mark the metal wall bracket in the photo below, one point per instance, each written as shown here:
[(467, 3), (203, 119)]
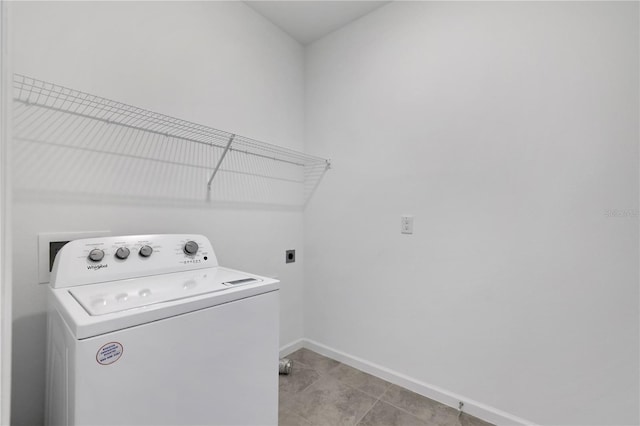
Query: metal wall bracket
[(226, 149)]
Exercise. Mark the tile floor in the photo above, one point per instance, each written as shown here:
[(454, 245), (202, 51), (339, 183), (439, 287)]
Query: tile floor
[(323, 392)]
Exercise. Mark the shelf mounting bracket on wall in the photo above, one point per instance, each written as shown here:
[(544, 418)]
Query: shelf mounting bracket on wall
[(226, 149)]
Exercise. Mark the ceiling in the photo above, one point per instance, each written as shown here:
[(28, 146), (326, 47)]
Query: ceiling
[(308, 21)]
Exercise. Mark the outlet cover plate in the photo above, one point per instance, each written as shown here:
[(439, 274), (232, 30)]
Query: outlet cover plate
[(406, 224)]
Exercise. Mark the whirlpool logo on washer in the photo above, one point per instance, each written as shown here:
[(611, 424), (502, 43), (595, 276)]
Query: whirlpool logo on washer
[(97, 267)]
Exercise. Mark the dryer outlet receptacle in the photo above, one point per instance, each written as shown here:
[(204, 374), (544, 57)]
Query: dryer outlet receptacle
[(290, 256)]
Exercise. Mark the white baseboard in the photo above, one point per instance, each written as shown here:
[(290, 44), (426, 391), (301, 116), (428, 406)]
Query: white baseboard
[(474, 408), (291, 347)]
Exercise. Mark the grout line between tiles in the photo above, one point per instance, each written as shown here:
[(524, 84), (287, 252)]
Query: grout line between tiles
[(363, 391), (378, 399), (320, 377), (367, 412), (311, 384), (458, 418), (326, 374), (410, 413), (388, 386)]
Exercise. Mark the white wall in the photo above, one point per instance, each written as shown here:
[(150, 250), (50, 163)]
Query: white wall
[(6, 320), (215, 63), (508, 130)]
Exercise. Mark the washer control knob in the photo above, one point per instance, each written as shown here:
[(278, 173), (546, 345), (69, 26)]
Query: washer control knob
[(191, 247), (122, 253), (96, 255), (145, 251)]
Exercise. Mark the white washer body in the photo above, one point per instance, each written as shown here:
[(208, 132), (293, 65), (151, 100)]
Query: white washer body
[(194, 344)]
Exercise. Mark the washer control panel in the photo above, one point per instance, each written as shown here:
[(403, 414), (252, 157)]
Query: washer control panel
[(103, 259)]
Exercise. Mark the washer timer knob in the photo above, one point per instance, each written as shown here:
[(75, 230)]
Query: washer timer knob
[(191, 247), (122, 253), (96, 255), (145, 251)]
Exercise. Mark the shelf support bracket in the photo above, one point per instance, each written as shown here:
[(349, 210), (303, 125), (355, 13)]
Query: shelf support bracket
[(226, 149)]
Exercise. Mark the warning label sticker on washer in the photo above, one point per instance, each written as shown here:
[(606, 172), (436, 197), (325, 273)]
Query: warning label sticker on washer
[(109, 353)]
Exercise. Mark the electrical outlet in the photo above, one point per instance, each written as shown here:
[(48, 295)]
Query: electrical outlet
[(290, 256), (406, 224), (49, 245)]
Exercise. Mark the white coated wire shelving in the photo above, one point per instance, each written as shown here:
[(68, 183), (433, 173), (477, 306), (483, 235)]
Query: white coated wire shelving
[(75, 142)]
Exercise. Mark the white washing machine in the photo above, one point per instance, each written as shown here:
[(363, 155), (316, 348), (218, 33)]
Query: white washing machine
[(149, 330)]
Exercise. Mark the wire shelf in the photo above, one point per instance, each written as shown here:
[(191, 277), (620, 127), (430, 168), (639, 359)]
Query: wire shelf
[(65, 134)]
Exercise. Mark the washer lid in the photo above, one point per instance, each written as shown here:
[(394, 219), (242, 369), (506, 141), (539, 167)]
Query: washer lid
[(170, 295), (117, 296)]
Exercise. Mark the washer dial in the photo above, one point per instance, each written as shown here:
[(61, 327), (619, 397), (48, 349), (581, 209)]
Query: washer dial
[(96, 255), (122, 253), (191, 247), (145, 251)]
